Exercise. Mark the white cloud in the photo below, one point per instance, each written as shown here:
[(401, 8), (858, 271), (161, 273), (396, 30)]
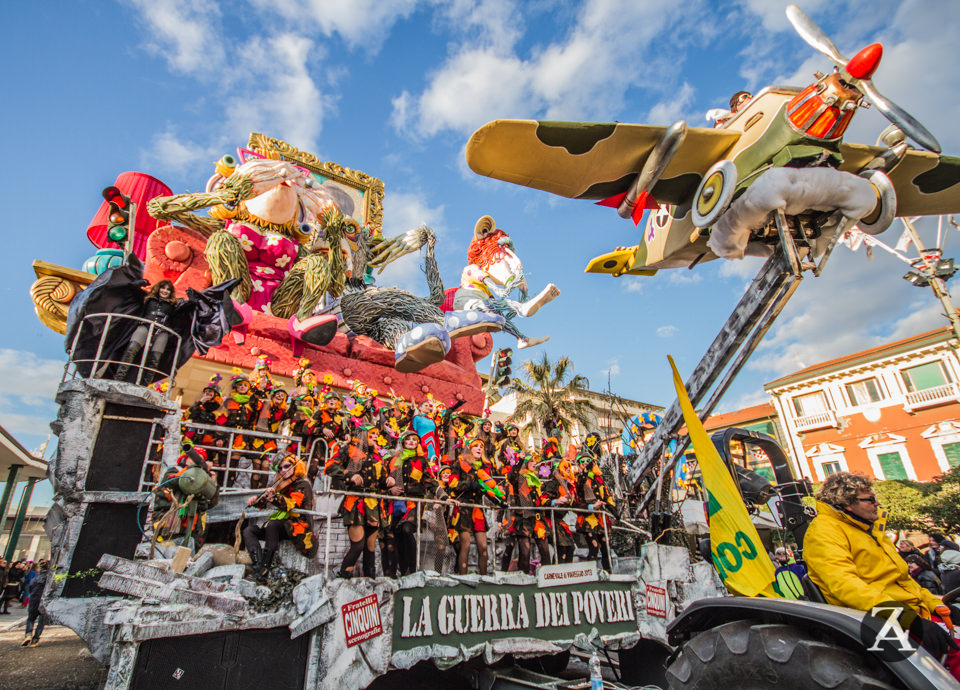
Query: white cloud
[(169, 152), (740, 269), (751, 399), (667, 331), (269, 84), (280, 95), (360, 23), (669, 111), (684, 277), (186, 33), (633, 283), (404, 211), (28, 385), (613, 367), (610, 47)]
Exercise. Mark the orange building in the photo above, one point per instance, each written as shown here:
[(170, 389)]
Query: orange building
[(890, 412)]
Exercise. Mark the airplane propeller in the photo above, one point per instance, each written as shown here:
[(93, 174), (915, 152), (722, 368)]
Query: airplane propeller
[(857, 71)]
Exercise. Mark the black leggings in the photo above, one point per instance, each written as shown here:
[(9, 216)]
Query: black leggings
[(271, 533), (407, 548)]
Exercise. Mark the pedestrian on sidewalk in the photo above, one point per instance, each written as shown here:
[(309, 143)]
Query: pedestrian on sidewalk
[(34, 614), (8, 589)]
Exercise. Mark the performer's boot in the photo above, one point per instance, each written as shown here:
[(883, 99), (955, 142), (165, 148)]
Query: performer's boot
[(266, 563), (130, 356), (256, 560), (153, 361), (26, 641)]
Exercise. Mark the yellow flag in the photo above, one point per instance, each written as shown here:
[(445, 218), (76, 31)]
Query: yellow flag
[(738, 554)]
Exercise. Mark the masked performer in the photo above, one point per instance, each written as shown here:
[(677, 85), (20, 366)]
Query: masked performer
[(182, 498), (289, 493), (358, 471), (409, 471), (525, 493), (560, 490), (201, 321), (467, 485), (595, 495)]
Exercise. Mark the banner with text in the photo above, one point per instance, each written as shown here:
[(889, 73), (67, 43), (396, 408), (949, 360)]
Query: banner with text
[(466, 615)]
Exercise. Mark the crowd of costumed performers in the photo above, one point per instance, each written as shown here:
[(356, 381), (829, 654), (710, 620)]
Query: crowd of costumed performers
[(402, 468)]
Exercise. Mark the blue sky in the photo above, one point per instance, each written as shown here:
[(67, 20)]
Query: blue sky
[(395, 89)]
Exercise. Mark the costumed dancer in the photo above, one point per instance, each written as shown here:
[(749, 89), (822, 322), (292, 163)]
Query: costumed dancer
[(357, 471), (426, 427), (242, 410), (273, 413), (486, 434), (261, 383), (560, 490), (157, 307), (526, 489), (385, 533), (507, 463), (206, 410), (182, 498), (409, 471), (466, 486), (595, 495), (509, 449), (290, 492)]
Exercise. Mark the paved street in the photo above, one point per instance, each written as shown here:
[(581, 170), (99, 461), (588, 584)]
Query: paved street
[(60, 662)]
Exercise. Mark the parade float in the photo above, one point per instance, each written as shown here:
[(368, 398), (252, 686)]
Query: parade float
[(774, 179)]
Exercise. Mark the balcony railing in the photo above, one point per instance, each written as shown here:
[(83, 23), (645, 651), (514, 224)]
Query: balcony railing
[(231, 455), (98, 325), (820, 420), (928, 397)]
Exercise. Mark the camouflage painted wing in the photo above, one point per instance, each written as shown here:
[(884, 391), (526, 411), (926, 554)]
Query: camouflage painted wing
[(590, 160), (926, 184)]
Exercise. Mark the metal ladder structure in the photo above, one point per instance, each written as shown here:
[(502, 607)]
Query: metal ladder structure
[(746, 326)]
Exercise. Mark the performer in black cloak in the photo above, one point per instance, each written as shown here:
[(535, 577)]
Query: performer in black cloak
[(201, 321)]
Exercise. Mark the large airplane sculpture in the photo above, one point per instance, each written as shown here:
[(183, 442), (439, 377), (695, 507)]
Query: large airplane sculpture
[(774, 178), (697, 181)]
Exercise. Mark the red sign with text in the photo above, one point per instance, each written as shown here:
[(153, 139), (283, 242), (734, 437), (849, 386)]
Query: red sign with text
[(361, 620), (656, 601)]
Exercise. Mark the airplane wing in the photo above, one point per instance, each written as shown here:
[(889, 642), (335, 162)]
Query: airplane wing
[(926, 184), (591, 160)]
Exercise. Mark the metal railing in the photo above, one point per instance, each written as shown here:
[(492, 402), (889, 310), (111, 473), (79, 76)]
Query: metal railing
[(557, 513), (101, 322), (231, 467), (928, 397), (816, 421)]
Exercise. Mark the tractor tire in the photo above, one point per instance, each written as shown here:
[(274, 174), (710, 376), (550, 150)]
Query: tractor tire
[(753, 656)]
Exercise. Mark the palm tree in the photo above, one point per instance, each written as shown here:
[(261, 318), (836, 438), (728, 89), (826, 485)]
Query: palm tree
[(550, 400)]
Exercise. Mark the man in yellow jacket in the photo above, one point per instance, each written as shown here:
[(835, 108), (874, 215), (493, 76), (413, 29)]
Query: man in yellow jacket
[(854, 563)]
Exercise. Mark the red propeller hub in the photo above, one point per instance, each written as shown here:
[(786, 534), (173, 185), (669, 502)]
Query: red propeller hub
[(864, 64)]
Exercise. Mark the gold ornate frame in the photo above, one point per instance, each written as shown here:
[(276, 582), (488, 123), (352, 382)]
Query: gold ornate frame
[(371, 186)]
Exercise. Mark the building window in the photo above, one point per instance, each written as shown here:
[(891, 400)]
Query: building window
[(864, 392), (810, 404), (924, 376), (892, 465), (952, 452), (830, 468)]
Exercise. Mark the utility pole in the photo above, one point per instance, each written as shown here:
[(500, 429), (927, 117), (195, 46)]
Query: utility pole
[(929, 266)]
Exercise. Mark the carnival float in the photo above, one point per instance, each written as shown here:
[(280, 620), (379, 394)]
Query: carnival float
[(278, 258)]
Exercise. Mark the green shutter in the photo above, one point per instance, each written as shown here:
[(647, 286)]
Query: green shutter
[(952, 451), (892, 465)]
